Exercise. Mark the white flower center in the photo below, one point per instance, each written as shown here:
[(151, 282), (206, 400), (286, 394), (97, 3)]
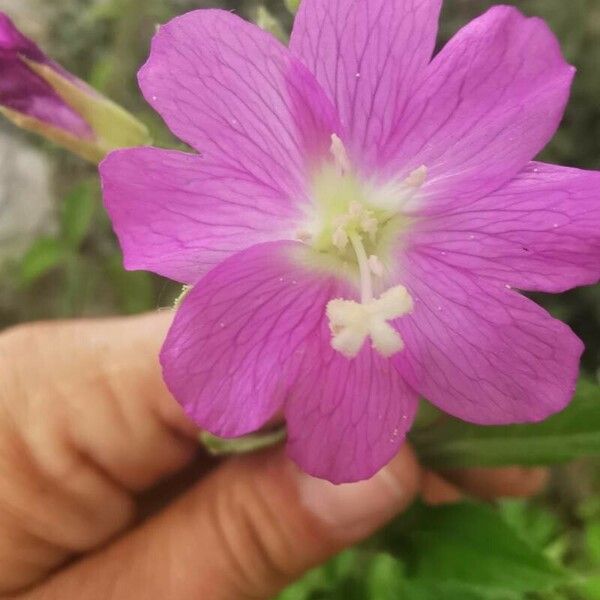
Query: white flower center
[(352, 221)]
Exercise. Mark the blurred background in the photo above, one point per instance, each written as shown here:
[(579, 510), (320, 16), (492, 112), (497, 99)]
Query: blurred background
[(59, 258)]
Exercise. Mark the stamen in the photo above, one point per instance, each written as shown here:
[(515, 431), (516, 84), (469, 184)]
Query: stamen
[(340, 156), (368, 223), (394, 196), (357, 218), (417, 178), (356, 210), (340, 238), (303, 235)]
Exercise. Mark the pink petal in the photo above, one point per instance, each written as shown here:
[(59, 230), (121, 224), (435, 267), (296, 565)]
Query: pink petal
[(227, 355), (234, 93), (369, 56), (347, 418), (252, 338), (491, 100), (482, 352), (180, 214), (540, 232)]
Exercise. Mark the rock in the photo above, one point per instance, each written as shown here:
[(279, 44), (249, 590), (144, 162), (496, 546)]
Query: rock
[(26, 199), (31, 16)]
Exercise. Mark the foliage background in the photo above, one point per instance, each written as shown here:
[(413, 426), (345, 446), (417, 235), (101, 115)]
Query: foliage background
[(71, 266)]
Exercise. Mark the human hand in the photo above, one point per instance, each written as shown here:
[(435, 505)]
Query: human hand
[(87, 434)]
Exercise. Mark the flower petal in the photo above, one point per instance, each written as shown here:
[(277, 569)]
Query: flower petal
[(482, 352), (227, 355), (347, 418), (237, 95), (540, 232), (179, 214), (369, 55), (251, 338), (491, 100)]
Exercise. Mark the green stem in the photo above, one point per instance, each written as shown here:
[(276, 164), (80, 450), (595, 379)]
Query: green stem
[(242, 445)]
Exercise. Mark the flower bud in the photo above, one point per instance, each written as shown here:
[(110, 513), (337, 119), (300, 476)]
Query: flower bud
[(292, 5), (38, 95)]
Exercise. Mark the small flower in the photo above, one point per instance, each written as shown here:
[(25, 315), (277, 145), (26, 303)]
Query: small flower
[(39, 95), (357, 223)]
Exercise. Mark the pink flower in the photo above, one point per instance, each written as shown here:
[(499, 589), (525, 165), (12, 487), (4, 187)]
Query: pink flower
[(357, 223)]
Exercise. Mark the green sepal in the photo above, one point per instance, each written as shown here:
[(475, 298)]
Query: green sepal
[(242, 445), (112, 126)]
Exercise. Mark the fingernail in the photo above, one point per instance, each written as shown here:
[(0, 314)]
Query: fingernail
[(355, 510)]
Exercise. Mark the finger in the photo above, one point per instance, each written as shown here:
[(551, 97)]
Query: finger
[(436, 490), (85, 421), (509, 482), (100, 383), (245, 531)]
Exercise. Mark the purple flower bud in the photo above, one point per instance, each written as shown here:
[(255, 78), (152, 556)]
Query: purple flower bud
[(39, 95)]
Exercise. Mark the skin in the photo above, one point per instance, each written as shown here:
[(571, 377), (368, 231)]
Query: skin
[(104, 493)]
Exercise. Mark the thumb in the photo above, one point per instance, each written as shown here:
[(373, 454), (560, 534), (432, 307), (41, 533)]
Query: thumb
[(252, 526)]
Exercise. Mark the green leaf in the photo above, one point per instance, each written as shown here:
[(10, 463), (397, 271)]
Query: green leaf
[(328, 581), (536, 524), (590, 588), (461, 552), (77, 213), (469, 546), (592, 540), (44, 255), (384, 579), (452, 591), (573, 433), (267, 21)]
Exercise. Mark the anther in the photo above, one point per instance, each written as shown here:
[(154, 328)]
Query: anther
[(303, 235), (417, 178), (339, 154), (340, 238)]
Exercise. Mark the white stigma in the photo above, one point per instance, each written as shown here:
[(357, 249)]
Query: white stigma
[(352, 322), (376, 266)]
